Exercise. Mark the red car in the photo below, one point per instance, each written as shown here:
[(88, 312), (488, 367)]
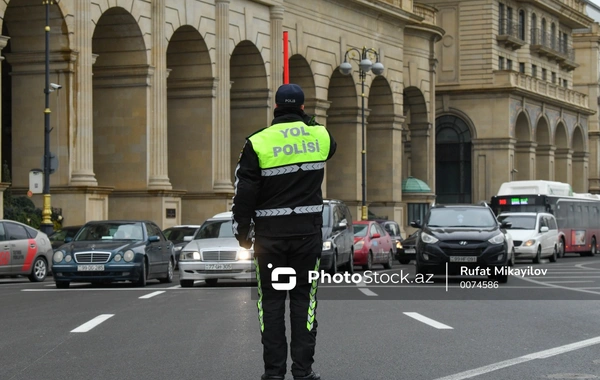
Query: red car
[(372, 245)]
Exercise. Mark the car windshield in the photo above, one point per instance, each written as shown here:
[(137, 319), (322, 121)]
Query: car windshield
[(213, 229), (326, 215), (461, 217), (178, 233), (111, 231), (519, 222), (360, 229)]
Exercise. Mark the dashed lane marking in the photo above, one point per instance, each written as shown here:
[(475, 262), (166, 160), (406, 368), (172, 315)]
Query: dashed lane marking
[(429, 321), (150, 295), (92, 323)]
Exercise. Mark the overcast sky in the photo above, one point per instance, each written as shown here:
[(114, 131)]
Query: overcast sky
[(597, 2)]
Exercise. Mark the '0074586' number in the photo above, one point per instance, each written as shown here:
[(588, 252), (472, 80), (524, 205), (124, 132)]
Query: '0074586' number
[(479, 284)]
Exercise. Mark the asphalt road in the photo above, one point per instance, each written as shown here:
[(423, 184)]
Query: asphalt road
[(533, 327)]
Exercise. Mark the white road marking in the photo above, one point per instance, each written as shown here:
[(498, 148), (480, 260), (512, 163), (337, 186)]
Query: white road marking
[(152, 294), (429, 321), (368, 292), (568, 282), (559, 286), (175, 287), (522, 359), (92, 323)]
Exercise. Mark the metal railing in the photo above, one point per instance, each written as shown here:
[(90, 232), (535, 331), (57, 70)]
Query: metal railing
[(509, 27), (561, 47)]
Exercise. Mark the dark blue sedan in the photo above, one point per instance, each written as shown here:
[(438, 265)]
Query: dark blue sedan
[(115, 250)]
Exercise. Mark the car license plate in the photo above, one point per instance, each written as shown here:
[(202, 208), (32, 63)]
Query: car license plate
[(410, 250), (463, 259), (218, 266), (90, 268)]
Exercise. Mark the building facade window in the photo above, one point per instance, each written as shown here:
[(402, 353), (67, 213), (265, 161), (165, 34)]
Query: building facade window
[(522, 67), (565, 42), (509, 65), (553, 77), (417, 211), (500, 63), (522, 25), (502, 19), (533, 29), (543, 31), (544, 74), (553, 36), (565, 83), (453, 149), (534, 71)]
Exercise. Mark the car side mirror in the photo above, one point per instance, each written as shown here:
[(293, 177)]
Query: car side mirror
[(375, 236), (416, 224), (153, 239), (188, 238), (341, 225), (544, 229), (506, 225), (68, 239)]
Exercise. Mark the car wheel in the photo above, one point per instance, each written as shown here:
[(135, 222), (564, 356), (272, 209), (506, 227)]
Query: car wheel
[(512, 258), (186, 283), (62, 284), (390, 261), (350, 264), (333, 269), (39, 270), (554, 255), (561, 248), (211, 281), (538, 256), (141, 281), (169, 277), (369, 265)]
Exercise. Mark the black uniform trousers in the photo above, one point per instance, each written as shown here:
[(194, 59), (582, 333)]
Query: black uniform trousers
[(303, 255)]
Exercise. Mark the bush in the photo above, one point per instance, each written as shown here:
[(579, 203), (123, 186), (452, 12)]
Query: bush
[(22, 209)]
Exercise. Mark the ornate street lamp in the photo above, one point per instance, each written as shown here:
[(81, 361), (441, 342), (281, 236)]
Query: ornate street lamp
[(365, 65)]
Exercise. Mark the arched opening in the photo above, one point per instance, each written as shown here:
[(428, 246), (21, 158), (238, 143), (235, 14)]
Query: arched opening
[(189, 109), (23, 83), (344, 122), (416, 136), (563, 155), (522, 25), (249, 97), (121, 84), (381, 155), (302, 75), (534, 29), (453, 150), (543, 31), (553, 36), (524, 150), (580, 161), (544, 152)]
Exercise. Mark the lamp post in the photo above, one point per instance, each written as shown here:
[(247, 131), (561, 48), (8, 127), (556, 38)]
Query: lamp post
[(365, 65), (47, 226)]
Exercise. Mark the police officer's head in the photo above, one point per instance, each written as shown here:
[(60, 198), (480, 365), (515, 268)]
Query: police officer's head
[(289, 95)]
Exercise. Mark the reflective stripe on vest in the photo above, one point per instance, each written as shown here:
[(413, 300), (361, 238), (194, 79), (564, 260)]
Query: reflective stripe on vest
[(292, 143), (289, 211), (292, 169)]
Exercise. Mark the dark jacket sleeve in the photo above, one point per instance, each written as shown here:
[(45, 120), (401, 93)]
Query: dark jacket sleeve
[(332, 146), (247, 186)]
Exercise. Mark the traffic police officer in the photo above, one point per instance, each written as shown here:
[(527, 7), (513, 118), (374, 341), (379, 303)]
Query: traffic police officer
[(278, 188)]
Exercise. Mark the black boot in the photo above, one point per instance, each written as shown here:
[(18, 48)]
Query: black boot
[(311, 376)]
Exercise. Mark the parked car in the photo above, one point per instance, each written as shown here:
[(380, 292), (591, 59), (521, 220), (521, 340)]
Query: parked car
[(338, 240), (393, 229), (215, 254), (24, 251), (463, 236), (180, 236), (372, 245), (408, 250), (57, 238), (115, 250), (535, 235)]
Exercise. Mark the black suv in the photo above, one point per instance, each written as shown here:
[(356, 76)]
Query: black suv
[(463, 236), (338, 237)]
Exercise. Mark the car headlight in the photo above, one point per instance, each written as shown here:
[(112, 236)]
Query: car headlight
[(498, 239), (327, 245), (529, 243), (128, 256), (118, 258), (58, 256), (359, 244), (398, 245), (190, 255), (428, 239), (244, 254)]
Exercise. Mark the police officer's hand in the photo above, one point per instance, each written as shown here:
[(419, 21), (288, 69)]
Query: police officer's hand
[(245, 243)]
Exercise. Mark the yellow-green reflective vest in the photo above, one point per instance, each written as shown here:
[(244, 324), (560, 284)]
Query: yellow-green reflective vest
[(290, 143)]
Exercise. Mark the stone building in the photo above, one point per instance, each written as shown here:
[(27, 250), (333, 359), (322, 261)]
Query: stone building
[(157, 97), (507, 107)]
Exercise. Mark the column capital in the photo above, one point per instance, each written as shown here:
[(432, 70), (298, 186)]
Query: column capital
[(546, 148), (277, 12), (563, 152)]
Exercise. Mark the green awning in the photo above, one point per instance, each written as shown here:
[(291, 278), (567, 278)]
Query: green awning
[(415, 185)]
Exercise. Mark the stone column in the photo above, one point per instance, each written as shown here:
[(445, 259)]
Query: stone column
[(82, 158), (525, 160), (490, 166), (221, 128), (158, 154), (564, 165), (544, 162), (581, 172), (276, 48), (421, 152), (3, 186)]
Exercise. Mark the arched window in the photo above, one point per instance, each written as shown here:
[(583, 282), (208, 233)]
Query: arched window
[(553, 36), (453, 160), (522, 25), (534, 29), (543, 31)]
